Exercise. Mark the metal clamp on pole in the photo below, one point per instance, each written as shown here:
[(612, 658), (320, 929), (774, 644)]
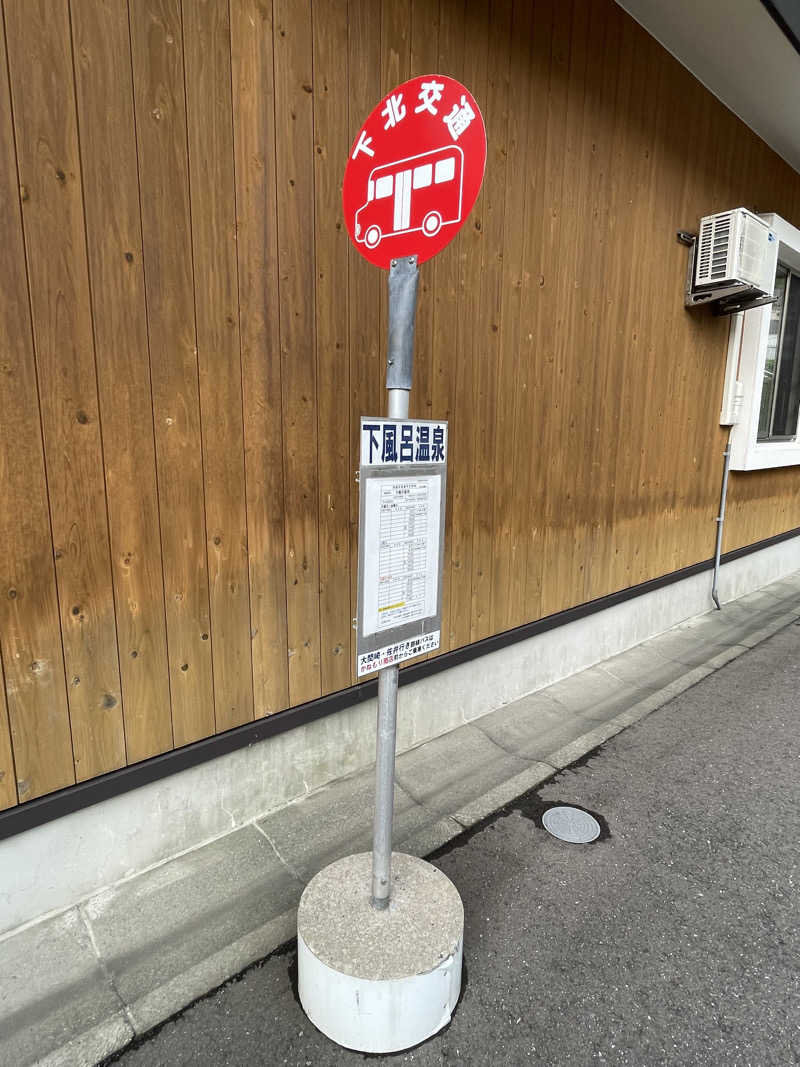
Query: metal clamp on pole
[(403, 278)]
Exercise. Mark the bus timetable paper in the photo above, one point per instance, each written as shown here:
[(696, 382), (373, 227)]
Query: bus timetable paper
[(414, 170), (401, 540), (401, 551)]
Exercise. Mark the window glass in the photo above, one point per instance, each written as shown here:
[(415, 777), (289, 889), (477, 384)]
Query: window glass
[(776, 317), (383, 187), (787, 389), (780, 393), (371, 190), (422, 176), (445, 169)]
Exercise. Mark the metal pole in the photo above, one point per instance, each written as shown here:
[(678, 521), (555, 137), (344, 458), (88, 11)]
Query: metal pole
[(403, 277), (384, 788), (721, 520)]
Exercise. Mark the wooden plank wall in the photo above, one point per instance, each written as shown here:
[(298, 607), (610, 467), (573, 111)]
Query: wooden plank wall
[(187, 340)]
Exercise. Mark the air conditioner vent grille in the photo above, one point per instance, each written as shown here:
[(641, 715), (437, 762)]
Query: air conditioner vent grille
[(713, 248)]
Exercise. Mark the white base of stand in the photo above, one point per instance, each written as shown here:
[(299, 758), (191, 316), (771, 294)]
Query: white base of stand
[(379, 981)]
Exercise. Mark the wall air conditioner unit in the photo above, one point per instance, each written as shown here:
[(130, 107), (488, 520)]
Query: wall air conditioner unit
[(732, 263)]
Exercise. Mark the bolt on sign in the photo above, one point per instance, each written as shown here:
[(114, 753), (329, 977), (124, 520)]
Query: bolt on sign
[(415, 170)]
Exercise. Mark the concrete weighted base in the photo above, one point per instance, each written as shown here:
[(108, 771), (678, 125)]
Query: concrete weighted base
[(380, 981)]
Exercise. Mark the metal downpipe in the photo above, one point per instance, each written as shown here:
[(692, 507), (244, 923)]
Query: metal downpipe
[(726, 466)]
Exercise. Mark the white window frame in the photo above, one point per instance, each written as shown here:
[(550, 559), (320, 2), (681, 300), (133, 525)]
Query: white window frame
[(744, 377)]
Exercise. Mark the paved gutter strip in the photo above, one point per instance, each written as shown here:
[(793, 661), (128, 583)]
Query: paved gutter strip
[(135, 954), (496, 798)]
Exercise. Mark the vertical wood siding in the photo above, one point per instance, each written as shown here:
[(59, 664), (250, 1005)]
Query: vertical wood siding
[(119, 313), (34, 709), (187, 340), (253, 83), (41, 75)]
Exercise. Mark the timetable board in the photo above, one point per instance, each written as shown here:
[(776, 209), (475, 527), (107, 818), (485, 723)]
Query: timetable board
[(401, 540)]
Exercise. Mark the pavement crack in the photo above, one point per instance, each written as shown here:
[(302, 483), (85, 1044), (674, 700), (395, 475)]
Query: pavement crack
[(410, 792), (292, 870), (107, 972), (561, 703), (503, 748), (635, 689), (435, 812), (230, 815), (509, 751)]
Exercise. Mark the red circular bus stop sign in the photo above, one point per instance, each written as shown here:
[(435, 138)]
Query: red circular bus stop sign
[(415, 170)]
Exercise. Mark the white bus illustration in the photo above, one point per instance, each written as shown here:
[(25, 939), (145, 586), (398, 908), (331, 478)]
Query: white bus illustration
[(418, 193)]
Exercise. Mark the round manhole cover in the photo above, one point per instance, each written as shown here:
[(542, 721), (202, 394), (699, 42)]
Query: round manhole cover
[(571, 824)]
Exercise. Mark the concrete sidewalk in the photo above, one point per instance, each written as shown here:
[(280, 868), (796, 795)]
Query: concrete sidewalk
[(80, 985), (671, 941)]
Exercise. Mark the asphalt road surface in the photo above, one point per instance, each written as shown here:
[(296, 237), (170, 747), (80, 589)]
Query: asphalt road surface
[(673, 939)]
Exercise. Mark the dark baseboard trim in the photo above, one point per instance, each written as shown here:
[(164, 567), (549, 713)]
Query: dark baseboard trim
[(75, 797)]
